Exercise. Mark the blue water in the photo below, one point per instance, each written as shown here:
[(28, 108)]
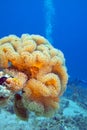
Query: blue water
[(66, 26)]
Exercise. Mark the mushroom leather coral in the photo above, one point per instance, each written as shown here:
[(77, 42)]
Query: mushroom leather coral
[(42, 63)]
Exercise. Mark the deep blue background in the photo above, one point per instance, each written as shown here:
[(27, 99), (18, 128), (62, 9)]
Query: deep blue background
[(69, 31)]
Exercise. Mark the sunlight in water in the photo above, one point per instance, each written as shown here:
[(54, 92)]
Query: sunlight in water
[(49, 18)]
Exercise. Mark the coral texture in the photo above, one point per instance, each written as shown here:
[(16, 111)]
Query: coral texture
[(37, 69)]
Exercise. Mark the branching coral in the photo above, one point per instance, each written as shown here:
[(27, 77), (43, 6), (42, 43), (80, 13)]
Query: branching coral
[(36, 68), (4, 95)]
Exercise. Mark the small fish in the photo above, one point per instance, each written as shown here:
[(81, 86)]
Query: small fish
[(2, 80)]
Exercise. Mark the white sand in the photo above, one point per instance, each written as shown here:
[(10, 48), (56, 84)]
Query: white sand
[(73, 109)]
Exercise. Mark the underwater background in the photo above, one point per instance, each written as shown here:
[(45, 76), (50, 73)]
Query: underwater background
[(67, 21), (64, 24)]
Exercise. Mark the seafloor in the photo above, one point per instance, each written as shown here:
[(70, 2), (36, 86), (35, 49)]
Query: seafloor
[(72, 114)]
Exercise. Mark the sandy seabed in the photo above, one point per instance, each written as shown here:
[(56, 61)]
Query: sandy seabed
[(71, 116)]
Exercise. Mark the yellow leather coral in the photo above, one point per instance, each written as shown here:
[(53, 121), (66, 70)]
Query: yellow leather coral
[(44, 67)]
